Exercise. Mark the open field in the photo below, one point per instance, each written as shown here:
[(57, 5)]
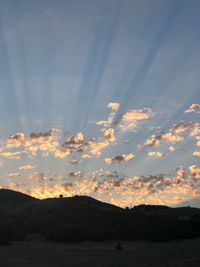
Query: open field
[(89, 254)]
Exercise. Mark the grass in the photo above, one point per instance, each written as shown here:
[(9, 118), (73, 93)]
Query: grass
[(89, 254)]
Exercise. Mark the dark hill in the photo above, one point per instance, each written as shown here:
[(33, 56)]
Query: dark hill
[(179, 212), (84, 218), (10, 199)]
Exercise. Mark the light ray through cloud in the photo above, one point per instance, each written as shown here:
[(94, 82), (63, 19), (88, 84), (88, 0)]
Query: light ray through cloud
[(101, 98)]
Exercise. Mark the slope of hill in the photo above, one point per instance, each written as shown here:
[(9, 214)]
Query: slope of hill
[(10, 199)]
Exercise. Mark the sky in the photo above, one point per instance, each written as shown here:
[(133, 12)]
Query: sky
[(101, 98)]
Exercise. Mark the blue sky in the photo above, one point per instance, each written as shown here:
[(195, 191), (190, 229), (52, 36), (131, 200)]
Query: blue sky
[(63, 62)]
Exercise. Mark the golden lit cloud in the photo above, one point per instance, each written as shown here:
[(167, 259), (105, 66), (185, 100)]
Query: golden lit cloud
[(96, 147), (14, 155), (192, 127), (124, 191), (14, 174), (114, 106), (155, 154), (25, 167), (15, 141), (153, 141), (131, 118), (169, 137), (62, 153), (110, 134)]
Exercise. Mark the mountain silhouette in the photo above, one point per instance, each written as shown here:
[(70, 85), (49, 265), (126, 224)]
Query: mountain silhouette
[(11, 199), (81, 218)]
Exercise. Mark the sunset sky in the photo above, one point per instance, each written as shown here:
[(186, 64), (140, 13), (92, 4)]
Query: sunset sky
[(101, 98)]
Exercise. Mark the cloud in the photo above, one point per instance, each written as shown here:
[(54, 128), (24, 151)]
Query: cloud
[(153, 141), (119, 158), (62, 153), (169, 137), (137, 114), (15, 141), (49, 143), (192, 127), (76, 174), (114, 106), (196, 153), (123, 190), (171, 148), (45, 142), (75, 143), (130, 119), (14, 174), (109, 122), (198, 140), (127, 121), (193, 108), (75, 161), (75, 139), (110, 134), (155, 154), (85, 156), (14, 155), (96, 147), (180, 174), (26, 167), (194, 171)]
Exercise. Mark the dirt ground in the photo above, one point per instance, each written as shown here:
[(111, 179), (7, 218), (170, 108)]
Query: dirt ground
[(89, 254)]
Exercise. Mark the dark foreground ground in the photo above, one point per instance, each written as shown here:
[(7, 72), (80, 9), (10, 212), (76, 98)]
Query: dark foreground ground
[(88, 254)]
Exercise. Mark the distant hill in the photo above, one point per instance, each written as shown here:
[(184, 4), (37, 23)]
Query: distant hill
[(82, 218), (11, 199), (166, 211)]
